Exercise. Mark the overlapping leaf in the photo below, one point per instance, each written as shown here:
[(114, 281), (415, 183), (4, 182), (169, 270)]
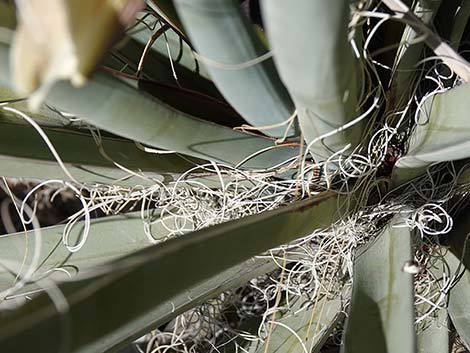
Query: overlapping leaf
[(121, 300), (224, 37), (316, 63)]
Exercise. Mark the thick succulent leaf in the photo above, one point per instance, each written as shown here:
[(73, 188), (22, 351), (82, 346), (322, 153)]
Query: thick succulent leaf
[(312, 330), (182, 70), (171, 82), (316, 63), (121, 299), (381, 317), (434, 336), (200, 293), (65, 40), (433, 333), (24, 154), (157, 67), (109, 239), (458, 260), (170, 41), (409, 54), (459, 296), (441, 48), (114, 106), (44, 116), (225, 37), (459, 299), (442, 135), (463, 168)]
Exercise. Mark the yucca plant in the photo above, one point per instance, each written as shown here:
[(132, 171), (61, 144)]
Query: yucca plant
[(273, 176)]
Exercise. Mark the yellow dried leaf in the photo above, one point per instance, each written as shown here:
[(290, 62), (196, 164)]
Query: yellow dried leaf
[(64, 39)]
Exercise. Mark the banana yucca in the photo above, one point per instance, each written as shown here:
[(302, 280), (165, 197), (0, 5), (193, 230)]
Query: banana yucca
[(275, 175)]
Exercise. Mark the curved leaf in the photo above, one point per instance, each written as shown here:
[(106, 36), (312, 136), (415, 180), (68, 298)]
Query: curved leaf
[(183, 70), (316, 63), (134, 286), (458, 260), (442, 135), (114, 106), (169, 42), (316, 328), (459, 299), (445, 52), (222, 34), (194, 103), (433, 333), (381, 317), (44, 115), (409, 54), (111, 238), (23, 154)]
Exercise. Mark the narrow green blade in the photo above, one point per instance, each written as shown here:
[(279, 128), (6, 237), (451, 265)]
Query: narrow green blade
[(459, 300), (157, 66), (170, 43), (225, 37), (24, 154), (169, 81), (440, 47), (442, 134), (433, 332), (182, 70), (312, 329), (409, 53), (434, 337), (44, 116), (316, 63), (194, 103), (458, 260), (198, 294), (114, 106), (111, 238), (139, 283), (381, 317)]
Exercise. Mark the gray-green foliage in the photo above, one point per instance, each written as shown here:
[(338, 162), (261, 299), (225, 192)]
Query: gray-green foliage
[(126, 286), (115, 285), (223, 35), (325, 87), (381, 316)]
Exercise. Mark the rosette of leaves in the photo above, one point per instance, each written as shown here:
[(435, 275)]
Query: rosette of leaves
[(125, 286)]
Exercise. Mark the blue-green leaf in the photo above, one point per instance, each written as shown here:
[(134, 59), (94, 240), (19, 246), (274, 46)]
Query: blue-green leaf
[(316, 62), (381, 317), (121, 298), (224, 36)]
